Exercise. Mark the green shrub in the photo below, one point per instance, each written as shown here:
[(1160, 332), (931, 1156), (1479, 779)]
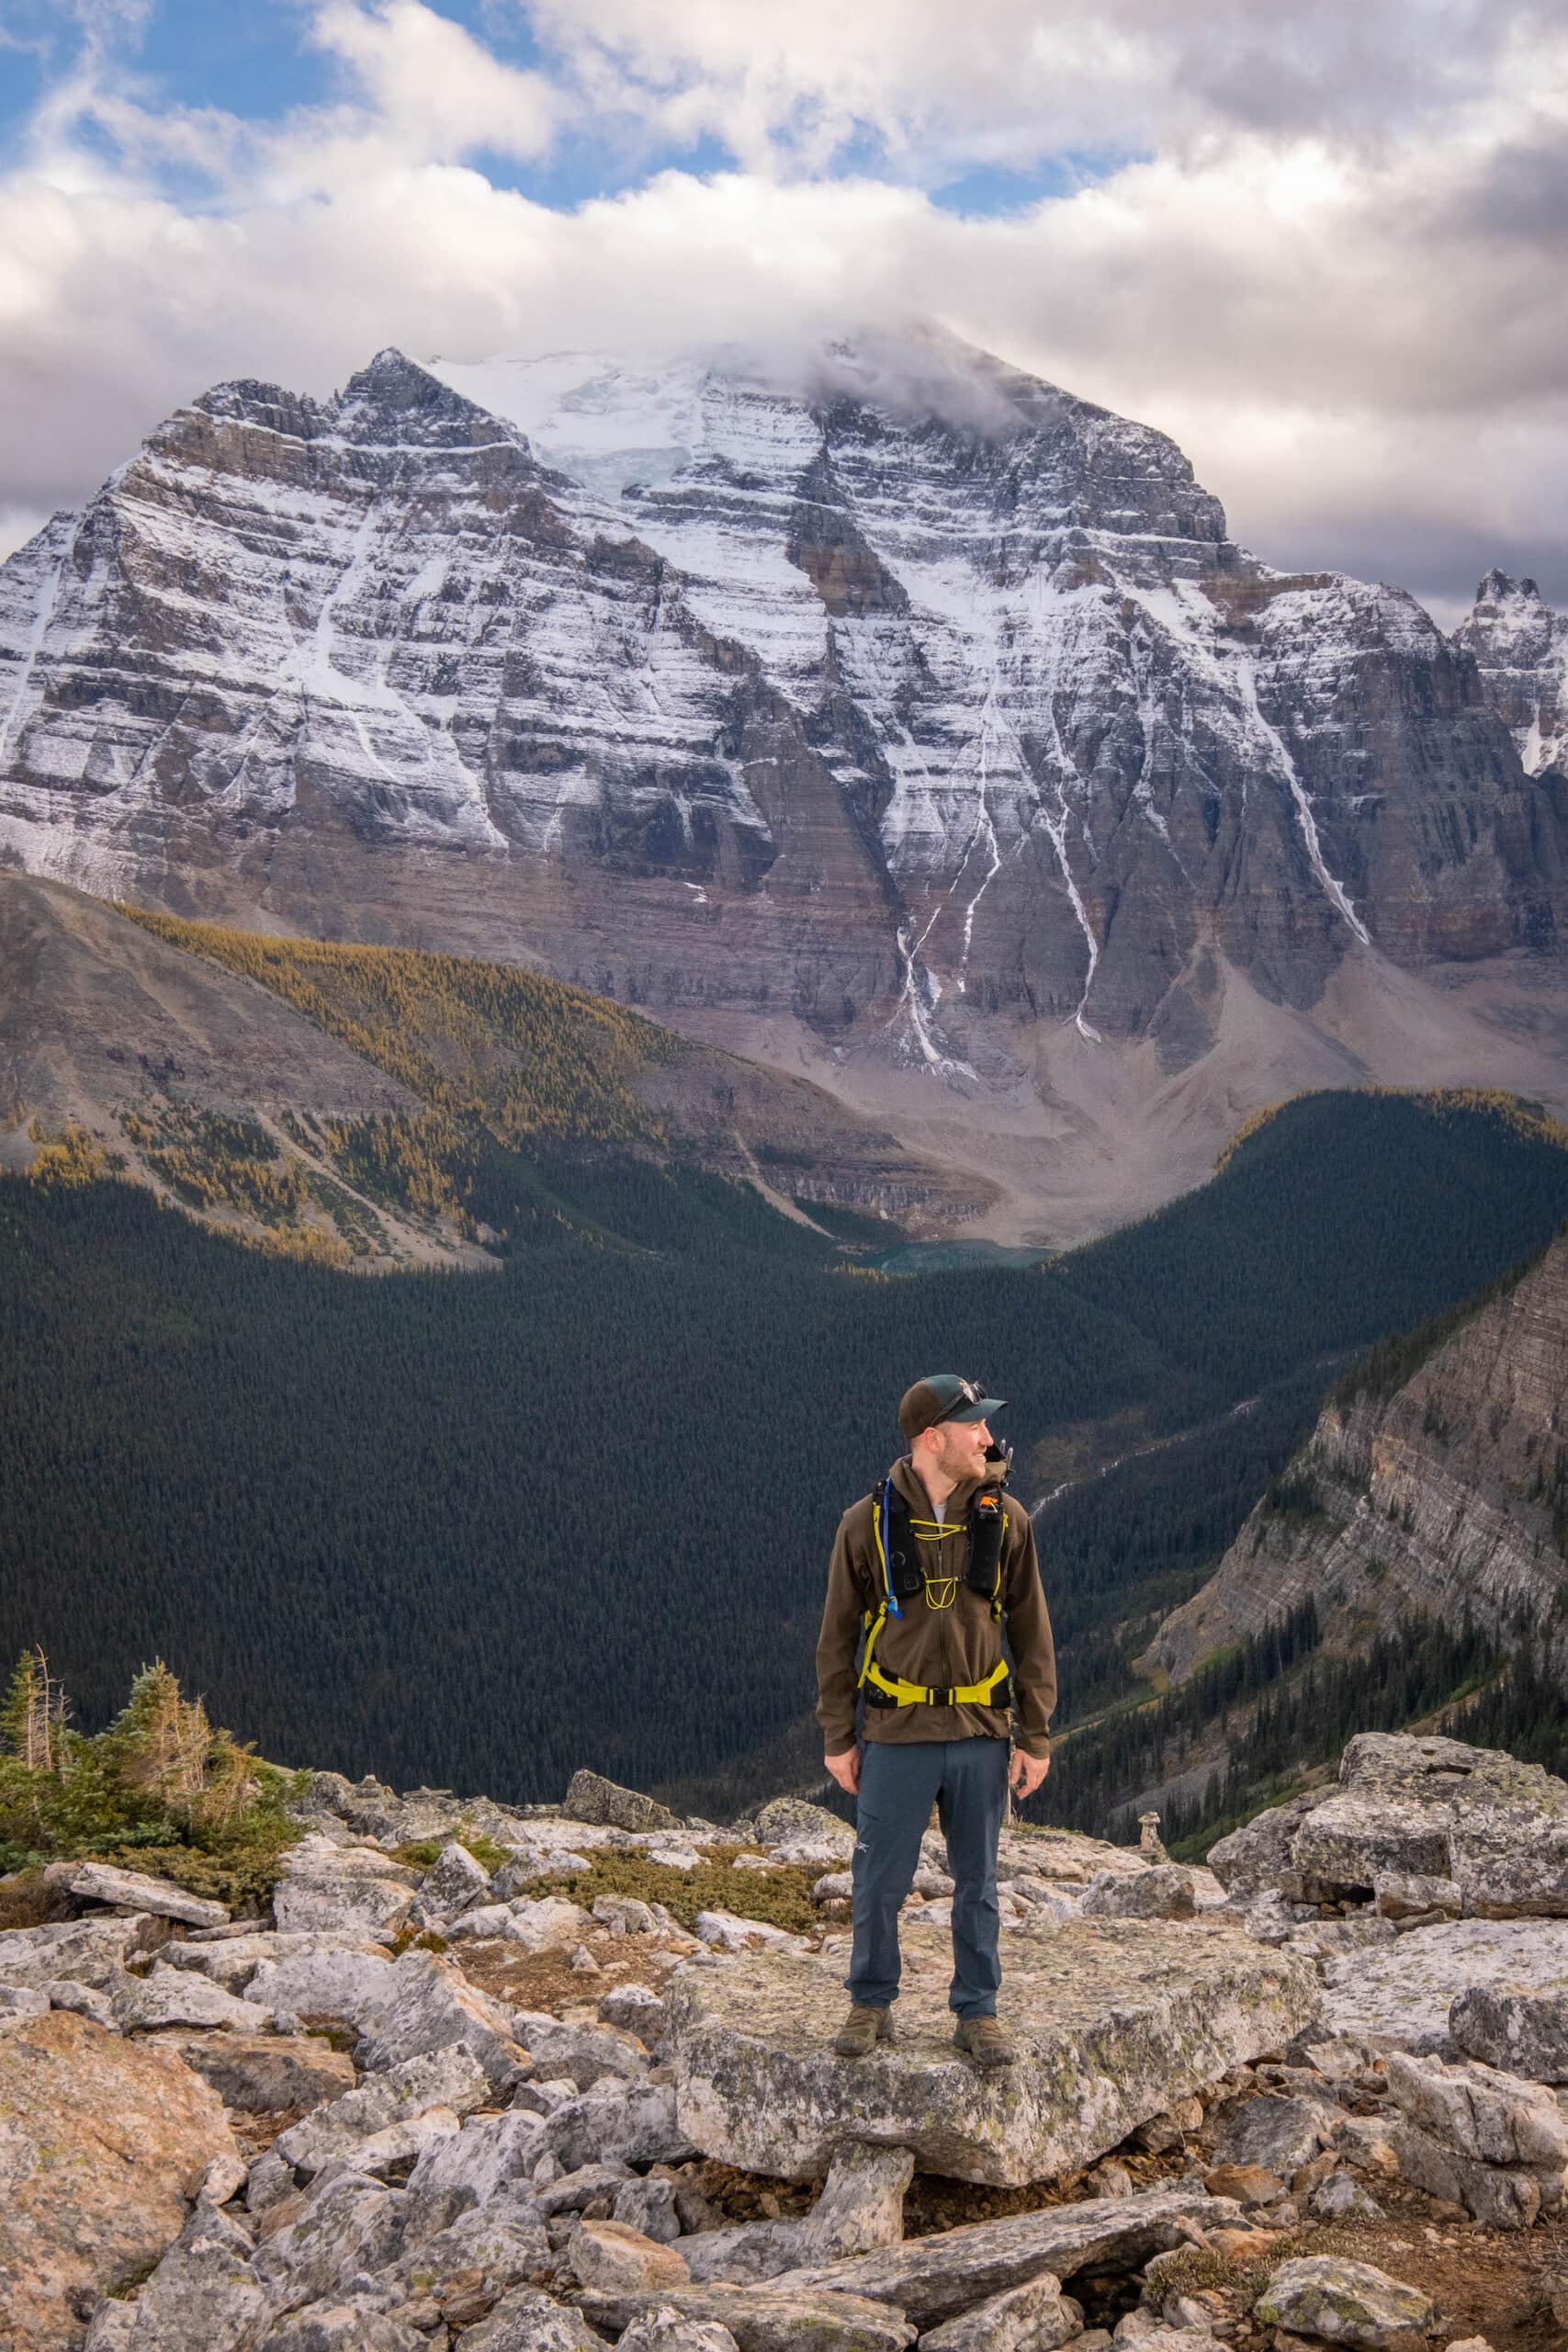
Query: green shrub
[(781, 1896), (162, 1790)]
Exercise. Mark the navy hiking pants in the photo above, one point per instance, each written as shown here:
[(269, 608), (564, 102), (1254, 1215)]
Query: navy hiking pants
[(966, 1780)]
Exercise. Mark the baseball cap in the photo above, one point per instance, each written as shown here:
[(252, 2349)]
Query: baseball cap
[(943, 1396)]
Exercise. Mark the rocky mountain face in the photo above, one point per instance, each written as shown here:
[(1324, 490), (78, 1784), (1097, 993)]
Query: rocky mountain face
[(1520, 648), (876, 719), (1448, 1494)]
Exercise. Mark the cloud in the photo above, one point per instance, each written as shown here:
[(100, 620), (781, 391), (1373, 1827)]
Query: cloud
[(1326, 276)]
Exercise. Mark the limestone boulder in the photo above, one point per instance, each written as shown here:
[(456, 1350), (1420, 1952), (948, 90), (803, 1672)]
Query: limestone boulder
[(860, 2207), (1511, 1862), (204, 2296), (1503, 2197), (1344, 2302), (350, 2224), (1481, 2112), (633, 2009), (1344, 1845), (338, 2325), (353, 1891), (481, 2162), (453, 1882), (86, 1951), (449, 2077), (1258, 1858), (584, 2053), (1162, 1892), (1036, 2317), (934, 2278), (1400, 1995), (1278, 2133), (1402, 1895), (232, 1960), (549, 1923), (92, 1881), (526, 2320), (104, 2144), (637, 2122), (650, 2205), (1523, 2031), (592, 1798), (263, 2074), (1114, 2020), (429, 2006), (348, 1982), (764, 2319), (174, 1996)]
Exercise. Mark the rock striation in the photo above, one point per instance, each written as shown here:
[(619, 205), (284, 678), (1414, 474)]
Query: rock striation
[(1447, 1493)]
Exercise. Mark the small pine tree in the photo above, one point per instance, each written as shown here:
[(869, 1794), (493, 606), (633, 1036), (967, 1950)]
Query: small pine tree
[(34, 1716), (164, 1749)]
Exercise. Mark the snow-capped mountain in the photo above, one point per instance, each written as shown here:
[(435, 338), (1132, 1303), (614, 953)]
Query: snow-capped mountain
[(899, 698), (1520, 646)]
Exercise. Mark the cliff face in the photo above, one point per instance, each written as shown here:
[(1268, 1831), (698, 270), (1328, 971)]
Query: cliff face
[(942, 729), (1520, 648), (1450, 1493)]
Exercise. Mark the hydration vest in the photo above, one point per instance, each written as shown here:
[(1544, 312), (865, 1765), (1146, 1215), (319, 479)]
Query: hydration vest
[(899, 1536)]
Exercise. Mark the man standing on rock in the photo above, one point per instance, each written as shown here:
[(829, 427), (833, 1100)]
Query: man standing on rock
[(928, 1571)]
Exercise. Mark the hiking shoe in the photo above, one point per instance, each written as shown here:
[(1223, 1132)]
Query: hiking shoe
[(862, 2031), (984, 2040)]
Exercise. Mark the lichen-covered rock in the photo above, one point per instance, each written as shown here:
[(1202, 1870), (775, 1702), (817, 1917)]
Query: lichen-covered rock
[(87, 1951), (790, 1820), (454, 1881), (429, 2005), (349, 1983), (649, 2205), (203, 2295), (1343, 2302), (1257, 1859), (1113, 2019), (348, 2225), (449, 2078), (1480, 2110), (348, 1890), (633, 2009), (591, 1797), (1403, 1992), (482, 2255), (766, 2319), (262, 2073), (1340, 2198), (132, 1890), (932, 2279), (476, 2166), (639, 2123), (530, 2320), (1524, 2032), (614, 2256), (103, 2144), (1162, 1892), (583, 2054), (1504, 2197), (345, 2327), (174, 1996), (666, 2331), (1280, 2135), (1036, 2317)]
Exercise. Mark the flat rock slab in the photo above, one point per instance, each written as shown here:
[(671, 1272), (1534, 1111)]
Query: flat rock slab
[(764, 2319), (1114, 2020), (1399, 1994), (932, 2279)]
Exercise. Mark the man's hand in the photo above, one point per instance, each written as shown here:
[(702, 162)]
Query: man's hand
[(1027, 1773), (845, 1769)]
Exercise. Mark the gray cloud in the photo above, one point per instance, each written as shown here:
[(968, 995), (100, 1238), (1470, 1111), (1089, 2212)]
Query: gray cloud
[(1331, 278)]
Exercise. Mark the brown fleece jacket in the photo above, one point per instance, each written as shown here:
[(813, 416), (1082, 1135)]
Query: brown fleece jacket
[(937, 1647)]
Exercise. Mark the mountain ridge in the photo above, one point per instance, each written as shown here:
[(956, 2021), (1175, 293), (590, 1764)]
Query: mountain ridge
[(975, 773)]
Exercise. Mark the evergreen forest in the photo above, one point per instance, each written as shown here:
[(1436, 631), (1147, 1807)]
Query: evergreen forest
[(476, 1531)]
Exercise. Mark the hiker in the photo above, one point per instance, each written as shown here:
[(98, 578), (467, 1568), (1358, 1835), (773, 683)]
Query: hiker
[(929, 1568)]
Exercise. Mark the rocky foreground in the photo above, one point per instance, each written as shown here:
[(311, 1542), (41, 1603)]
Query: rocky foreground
[(496, 2100)]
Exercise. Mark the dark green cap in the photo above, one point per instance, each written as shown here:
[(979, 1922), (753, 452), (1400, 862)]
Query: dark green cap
[(944, 1397)]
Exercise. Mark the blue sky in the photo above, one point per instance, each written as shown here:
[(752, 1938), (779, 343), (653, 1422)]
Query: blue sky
[(1307, 237)]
